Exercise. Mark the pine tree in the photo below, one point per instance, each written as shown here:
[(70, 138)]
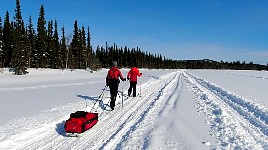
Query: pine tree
[(99, 56), (63, 50), (1, 44), (90, 60), (32, 53), (56, 51), (125, 57), (73, 60), (18, 60), (41, 40), (83, 49), (50, 61), (7, 41)]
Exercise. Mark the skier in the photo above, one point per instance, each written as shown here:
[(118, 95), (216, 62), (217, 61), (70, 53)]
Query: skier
[(132, 76), (112, 80)]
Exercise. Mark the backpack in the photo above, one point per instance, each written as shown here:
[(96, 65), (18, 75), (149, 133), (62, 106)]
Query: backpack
[(112, 77)]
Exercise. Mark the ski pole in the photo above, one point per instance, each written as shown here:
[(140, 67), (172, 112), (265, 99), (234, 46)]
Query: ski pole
[(122, 92), (101, 96), (122, 97), (103, 91), (140, 89)]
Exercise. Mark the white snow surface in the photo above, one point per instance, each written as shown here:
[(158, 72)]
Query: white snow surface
[(174, 109)]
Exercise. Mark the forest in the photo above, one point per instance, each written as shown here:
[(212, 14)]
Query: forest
[(24, 46)]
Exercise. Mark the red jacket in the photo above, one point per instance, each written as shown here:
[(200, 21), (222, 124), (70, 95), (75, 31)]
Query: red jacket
[(114, 73), (133, 73)]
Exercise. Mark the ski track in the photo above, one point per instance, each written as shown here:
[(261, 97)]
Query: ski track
[(137, 130), (38, 132), (236, 122)]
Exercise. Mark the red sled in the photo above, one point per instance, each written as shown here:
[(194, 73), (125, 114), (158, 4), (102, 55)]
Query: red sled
[(80, 121)]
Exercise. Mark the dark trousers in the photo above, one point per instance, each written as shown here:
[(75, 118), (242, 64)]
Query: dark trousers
[(132, 86), (113, 93)]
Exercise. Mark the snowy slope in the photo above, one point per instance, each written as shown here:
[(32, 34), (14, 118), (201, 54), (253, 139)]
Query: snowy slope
[(175, 109)]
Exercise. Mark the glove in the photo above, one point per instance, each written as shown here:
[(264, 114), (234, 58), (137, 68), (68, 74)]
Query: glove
[(124, 79), (128, 78)]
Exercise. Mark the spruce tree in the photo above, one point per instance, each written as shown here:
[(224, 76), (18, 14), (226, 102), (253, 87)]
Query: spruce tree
[(83, 49), (125, 57), (50, 61), (89, 51), (1, 44), (41, 40), (19, 53), (73, 60), (99, 56), (32, 42), (63, 50), (56, 51), (7, 41)]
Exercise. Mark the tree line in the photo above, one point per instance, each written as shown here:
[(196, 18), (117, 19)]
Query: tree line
[(22, 47)]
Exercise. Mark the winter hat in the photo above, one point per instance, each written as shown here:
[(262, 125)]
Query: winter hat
[(114, 63)]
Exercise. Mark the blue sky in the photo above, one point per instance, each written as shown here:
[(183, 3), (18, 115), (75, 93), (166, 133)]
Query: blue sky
[(227, 30)]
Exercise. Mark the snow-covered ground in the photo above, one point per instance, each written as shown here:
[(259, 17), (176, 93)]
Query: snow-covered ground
[(174, 109)]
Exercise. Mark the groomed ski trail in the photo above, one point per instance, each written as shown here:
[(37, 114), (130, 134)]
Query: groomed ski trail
[(235, 122), (46, 131)]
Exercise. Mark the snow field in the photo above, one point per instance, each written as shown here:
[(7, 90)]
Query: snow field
[(174, 109)]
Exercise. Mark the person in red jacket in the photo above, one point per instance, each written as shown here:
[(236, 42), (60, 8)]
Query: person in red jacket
[(112, 80), (132, 75)]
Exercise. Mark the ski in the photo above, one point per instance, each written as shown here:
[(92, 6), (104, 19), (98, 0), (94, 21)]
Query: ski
[(131, 96), (74, 134)]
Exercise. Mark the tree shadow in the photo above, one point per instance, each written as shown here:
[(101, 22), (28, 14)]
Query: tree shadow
[(99, 100), (93, 99)]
